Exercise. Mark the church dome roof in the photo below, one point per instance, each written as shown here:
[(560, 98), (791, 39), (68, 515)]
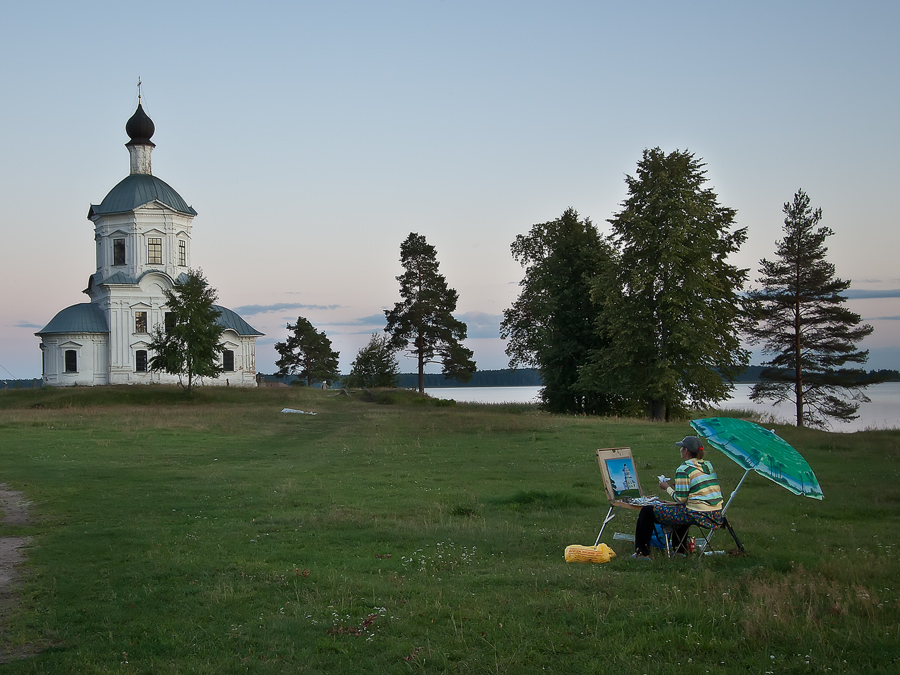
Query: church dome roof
[(83, 318), (139, 189), (230, 320), (140, 127), (89, 318)]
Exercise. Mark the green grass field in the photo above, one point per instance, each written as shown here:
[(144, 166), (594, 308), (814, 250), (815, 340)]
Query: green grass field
[(214, 534)]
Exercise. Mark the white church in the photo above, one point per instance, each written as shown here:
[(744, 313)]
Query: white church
[(143, 233)]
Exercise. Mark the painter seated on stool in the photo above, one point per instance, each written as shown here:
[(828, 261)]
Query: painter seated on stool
[(698, 500)]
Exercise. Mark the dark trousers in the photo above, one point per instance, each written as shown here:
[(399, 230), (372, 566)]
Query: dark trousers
[(644, 530)]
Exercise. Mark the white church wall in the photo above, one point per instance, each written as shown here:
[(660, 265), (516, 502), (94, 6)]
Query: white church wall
[(106, 231), (152, 221), (90, 350), (244, 350)]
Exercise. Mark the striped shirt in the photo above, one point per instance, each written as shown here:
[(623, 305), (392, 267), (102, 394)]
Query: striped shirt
[(697, 486)]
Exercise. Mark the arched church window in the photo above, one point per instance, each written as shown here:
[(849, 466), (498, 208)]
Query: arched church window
[(154, 251), (140, 361), (118, 251), (228, 361), (71, 357)]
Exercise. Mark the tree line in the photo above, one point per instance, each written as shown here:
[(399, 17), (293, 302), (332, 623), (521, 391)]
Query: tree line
[(520, 377), (650, 320), (531, 377), (502, 377), (421, 324), (754, 374)]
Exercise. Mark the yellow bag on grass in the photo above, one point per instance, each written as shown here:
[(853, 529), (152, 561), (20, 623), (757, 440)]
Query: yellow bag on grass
[(595, 554)]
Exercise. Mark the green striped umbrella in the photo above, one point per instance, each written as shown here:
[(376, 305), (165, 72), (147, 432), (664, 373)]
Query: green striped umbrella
[(757, 449)]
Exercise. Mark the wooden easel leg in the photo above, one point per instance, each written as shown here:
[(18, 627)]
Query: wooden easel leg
[(609, 516)]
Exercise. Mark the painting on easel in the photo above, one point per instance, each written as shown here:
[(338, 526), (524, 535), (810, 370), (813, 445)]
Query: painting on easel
[(620, 478)]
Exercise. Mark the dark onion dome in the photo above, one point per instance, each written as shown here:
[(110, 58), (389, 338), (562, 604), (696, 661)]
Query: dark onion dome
[(84, 318), (140, 127), (139, 189)]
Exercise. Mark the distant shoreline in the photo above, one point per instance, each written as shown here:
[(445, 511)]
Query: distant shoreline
[(522, 377)]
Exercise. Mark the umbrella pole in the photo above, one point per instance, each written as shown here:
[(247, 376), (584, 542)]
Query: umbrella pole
[(736, 490), (725, 522)]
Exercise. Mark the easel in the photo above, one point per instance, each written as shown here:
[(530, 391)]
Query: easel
[(617, 467)]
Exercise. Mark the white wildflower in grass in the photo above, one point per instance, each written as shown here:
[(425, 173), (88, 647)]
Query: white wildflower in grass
[(446, 557)]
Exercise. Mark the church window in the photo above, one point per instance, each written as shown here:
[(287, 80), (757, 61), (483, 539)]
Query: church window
[(118, 251), (140, 360), (154, 251), (71, 361), (170, 321), (182, 253), (140, 322), (228, 361)]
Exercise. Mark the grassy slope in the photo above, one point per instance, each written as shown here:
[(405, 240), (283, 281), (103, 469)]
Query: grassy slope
[(217, 535)]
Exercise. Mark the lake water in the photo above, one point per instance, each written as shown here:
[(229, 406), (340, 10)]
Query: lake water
[(882, 413)]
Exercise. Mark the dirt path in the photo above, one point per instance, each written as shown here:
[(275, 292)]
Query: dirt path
[(14, 512)]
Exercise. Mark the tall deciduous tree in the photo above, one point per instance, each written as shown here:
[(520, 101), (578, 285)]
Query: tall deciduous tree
[(550, 326), (375, 365), (188, 344), (674, 315), (307, 353), (801, 320), (422, 323)]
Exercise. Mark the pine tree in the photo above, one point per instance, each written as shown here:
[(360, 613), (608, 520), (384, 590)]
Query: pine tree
[(188, 344), (550, 326), (422, 323), (673, 314), (801, 320), (375, 365), (307, 353)]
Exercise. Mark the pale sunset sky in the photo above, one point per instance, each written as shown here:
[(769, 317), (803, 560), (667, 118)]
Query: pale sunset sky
[(313, 137)]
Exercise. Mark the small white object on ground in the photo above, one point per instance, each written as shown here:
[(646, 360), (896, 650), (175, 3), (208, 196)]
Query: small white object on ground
[(302, 412)]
